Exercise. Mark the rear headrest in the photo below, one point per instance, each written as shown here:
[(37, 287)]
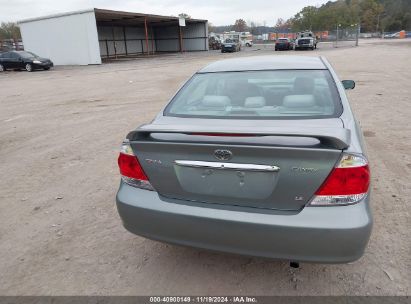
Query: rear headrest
[(254, 102), (216, 101), (304, 85), (299, 101)]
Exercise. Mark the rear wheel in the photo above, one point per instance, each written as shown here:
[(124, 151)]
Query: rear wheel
[(2, 68), (29, 67)]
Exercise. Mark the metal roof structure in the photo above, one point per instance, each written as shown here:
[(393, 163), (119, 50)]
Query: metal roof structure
[(112, 17), (56, 15), (89, 36)]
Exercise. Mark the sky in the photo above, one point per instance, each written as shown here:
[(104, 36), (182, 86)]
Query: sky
[(218, 12)]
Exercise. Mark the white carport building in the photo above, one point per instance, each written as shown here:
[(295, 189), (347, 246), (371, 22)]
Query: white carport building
[(91, 36)]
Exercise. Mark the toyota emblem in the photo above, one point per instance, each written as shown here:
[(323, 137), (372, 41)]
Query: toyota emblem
[(223, 154)]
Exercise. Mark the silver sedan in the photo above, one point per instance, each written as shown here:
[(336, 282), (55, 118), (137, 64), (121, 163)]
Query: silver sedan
[(259, 156)]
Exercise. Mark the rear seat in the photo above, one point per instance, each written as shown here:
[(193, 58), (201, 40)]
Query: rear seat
[(215, 101), (299, 101)]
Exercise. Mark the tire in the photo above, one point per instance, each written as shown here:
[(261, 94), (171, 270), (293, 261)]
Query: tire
[(29, 67), (2, 68), (46, 69)]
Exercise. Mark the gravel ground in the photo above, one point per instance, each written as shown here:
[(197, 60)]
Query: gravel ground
[(60, 233)]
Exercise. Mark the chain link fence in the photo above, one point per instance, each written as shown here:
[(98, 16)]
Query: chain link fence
[(340, 37)]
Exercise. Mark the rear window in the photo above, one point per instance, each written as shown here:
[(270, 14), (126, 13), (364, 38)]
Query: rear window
[(27, 54), (280, 94)]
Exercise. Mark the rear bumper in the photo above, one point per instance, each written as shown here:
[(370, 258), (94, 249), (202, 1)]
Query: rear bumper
[(228, 49), (316, 234), (285, 48), (304, 46)]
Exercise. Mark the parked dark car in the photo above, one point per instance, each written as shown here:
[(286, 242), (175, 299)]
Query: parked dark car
[(17, 60), (284, 44), (230, 46), (258, 156)]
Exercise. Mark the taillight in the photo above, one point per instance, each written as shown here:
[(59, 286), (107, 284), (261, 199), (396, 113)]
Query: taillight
[(130, 169), (347, 183)]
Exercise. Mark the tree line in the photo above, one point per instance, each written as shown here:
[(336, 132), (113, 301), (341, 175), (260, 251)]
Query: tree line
[(9, 30), (370, 15)]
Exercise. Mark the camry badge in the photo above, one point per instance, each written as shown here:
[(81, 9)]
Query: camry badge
[(223, 154)]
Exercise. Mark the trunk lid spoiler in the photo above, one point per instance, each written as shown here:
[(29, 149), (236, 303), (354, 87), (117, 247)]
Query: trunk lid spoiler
[(338, 138)]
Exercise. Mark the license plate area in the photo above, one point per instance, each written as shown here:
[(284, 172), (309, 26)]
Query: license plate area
[(228, 181)]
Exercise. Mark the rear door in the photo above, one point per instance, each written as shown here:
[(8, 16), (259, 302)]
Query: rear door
[(13, 61), (270, 172)]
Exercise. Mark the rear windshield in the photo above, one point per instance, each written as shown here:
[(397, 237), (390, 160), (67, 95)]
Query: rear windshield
[(280, 94)]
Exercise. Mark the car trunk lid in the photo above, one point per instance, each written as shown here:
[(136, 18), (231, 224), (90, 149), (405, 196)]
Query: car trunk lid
[(271, 167)]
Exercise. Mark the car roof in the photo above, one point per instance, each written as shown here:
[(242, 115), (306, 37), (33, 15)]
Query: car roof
[(264, 63)]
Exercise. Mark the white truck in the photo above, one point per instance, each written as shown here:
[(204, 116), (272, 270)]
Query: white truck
[(245, 38), (305, 40)]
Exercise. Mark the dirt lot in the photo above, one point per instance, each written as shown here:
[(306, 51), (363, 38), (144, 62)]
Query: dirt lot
[(60, 233)]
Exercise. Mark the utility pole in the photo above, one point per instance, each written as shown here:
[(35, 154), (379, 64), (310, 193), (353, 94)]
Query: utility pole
[(336, 38), (146, 34), (180, 36), (181, 23)]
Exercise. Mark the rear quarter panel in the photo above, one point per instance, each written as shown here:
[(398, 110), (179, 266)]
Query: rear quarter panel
[(347, 117)]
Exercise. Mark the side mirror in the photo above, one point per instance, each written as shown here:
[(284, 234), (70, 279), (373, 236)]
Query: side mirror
[(348, 84)]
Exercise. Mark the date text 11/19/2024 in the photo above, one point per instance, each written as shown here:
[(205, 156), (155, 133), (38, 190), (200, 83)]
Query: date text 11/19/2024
[(204, 299)]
